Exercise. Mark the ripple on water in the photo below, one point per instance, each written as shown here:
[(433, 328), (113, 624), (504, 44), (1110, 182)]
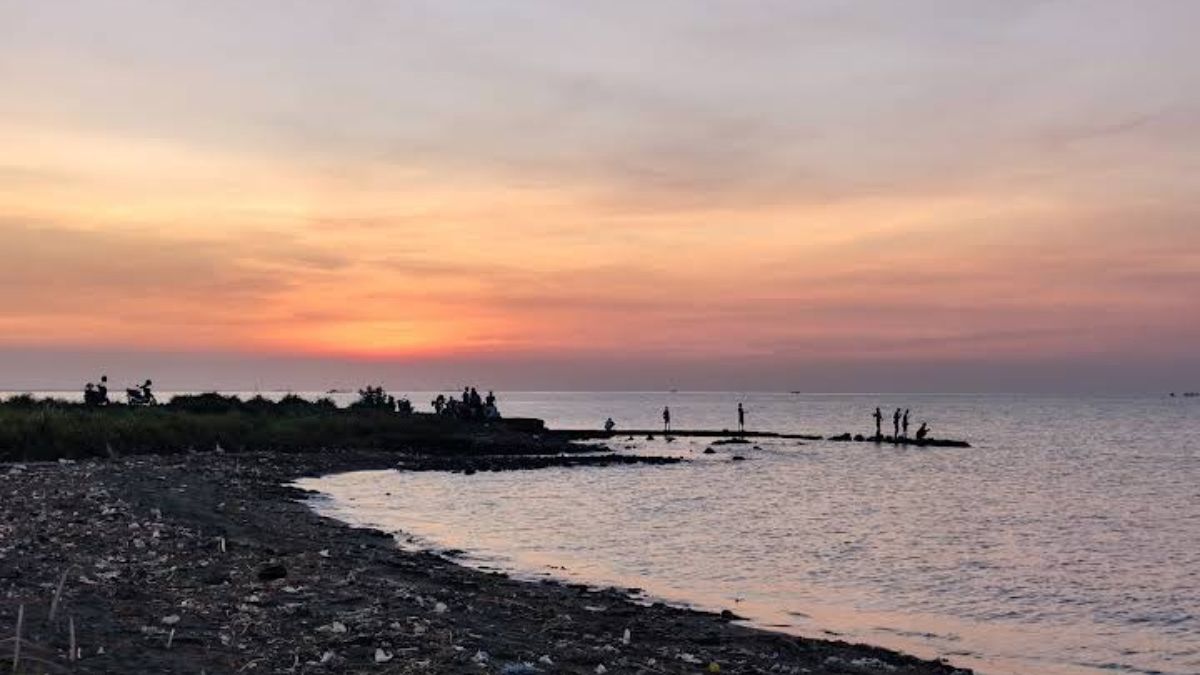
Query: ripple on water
[(1067, 541)]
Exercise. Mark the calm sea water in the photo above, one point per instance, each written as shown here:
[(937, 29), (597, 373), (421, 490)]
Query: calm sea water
[(1066, 541)]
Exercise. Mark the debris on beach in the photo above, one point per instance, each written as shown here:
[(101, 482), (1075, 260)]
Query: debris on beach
[(118, 566)]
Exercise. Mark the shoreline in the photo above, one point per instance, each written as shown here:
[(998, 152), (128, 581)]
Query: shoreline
[(212, 562)]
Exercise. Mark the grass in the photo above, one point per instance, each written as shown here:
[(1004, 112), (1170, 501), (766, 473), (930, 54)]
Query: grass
[(45, 430)]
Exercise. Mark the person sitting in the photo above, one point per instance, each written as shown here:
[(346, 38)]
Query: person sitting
[(89, 395), (922, 432), (141, 395), (609, 424)]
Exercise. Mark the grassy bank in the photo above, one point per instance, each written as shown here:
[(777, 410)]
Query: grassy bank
[(42, 430)]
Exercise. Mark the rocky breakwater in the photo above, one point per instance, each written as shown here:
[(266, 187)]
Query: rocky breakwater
[(207, 563), (916, 442)]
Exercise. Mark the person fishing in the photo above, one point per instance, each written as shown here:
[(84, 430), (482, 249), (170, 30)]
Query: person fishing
[(741, 419), (666, 419), (922, 431)]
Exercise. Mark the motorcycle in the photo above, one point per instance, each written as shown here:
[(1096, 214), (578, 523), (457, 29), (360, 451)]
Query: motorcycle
[(140, 397)]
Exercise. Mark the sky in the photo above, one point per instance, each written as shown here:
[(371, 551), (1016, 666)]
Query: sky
[(747, 195)]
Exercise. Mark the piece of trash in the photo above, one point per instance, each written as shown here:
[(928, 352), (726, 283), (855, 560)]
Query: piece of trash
[(327, 657), (714, 667), (688, 658), (440, 608), (600, 669), (324, 553), (546, 660), (382, 656), (480, 657), (625, 637), (170, 620)]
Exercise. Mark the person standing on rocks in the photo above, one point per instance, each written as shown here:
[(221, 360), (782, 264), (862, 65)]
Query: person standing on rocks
[(878, 422), (741, 419), (904, 423), (666, 419), (896, 424)]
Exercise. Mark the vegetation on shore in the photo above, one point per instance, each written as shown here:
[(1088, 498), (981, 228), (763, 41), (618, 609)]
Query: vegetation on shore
[(49, 429)]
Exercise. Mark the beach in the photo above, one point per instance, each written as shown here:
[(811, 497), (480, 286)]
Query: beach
[(210, 562)]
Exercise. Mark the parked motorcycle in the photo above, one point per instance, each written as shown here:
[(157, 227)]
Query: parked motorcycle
[(141, 396)]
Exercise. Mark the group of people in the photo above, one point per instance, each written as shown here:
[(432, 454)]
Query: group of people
[(899, 425), (471, 406), (95, 395)]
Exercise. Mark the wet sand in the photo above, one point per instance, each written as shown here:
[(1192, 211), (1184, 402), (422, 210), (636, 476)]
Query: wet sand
[(211, 563)]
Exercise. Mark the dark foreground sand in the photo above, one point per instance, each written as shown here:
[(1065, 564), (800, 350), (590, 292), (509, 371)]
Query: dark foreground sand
[(207, 563)]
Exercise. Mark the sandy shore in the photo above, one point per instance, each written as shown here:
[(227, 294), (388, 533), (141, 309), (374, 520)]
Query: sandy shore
[(208, 563)]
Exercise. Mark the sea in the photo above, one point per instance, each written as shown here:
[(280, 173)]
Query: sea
[(1065, 540)]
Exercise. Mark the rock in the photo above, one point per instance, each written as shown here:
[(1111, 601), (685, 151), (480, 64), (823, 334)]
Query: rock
[(738, 458), (272, 572), (709, 451), (842, 438)]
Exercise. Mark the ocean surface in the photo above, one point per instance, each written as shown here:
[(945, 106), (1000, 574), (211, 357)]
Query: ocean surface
[(1066, 541)]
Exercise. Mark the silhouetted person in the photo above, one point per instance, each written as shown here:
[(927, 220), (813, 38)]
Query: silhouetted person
[(922, 432), (102, 391), (490, 401), (438, 404), (904, 423), (476, 404), (466, 396), (741, 419), (878, 422), (609, 424), (666, 419), (141, 395), (896, 424), (89, 394)]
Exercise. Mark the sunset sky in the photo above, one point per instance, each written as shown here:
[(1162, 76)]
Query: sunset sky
[(817, 195)]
